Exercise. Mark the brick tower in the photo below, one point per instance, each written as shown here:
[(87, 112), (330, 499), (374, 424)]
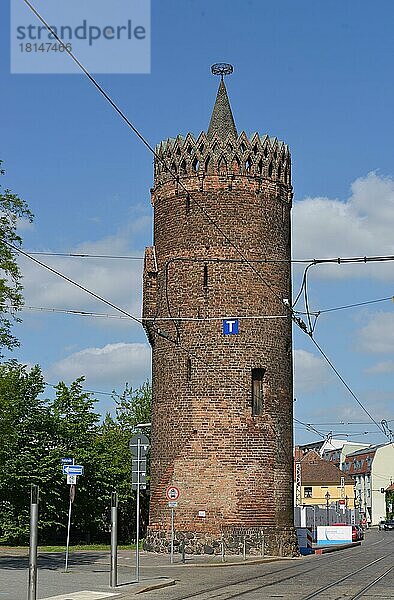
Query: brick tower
[(222, 401)]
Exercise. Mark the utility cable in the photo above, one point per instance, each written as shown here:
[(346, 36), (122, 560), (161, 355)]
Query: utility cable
[(309, 427), (378, 425), (75, 283), (85, 313), (345, 260), (84, 255), (83, 390), (326, 310)]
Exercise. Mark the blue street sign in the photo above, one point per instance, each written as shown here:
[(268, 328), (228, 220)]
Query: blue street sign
[(230, 326), (67, 461), (73, 469)]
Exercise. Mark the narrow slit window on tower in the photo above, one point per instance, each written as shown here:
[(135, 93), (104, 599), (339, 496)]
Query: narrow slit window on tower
[(195, 165), (205, 277), (257, 391), (189, 369)]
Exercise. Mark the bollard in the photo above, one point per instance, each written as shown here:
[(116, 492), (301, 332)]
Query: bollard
[(222, 549), (32, 592), (262, 545), (183, 551), (113, 581), (244, 548)]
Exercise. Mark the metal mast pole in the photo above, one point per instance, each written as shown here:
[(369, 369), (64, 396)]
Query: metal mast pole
[(32, 592)]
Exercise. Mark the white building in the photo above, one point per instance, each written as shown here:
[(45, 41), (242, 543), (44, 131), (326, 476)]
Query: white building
[(335, 451), (372, 469)]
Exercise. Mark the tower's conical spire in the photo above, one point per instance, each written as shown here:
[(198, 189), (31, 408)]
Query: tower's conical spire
[(222, 120)]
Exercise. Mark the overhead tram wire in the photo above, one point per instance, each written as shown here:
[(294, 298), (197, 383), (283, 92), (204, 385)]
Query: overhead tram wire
[(301, 324), (75, 283), (85, 313), (309, 427), (83, 390), (378, 425), (84, 255), (313, 261), (346, 306)]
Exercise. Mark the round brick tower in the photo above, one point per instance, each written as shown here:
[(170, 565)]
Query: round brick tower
[(221, 339)]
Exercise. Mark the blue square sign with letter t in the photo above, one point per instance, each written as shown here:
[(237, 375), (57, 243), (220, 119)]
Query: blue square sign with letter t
[(230, 326)]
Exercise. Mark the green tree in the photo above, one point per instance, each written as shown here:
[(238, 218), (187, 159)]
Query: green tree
[(37, 433), (133, 406), (27, 454), (12, 208)]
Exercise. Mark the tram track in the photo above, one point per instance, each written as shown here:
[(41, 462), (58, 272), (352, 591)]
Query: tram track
[(361, 592), (223, 592), (349, 576)]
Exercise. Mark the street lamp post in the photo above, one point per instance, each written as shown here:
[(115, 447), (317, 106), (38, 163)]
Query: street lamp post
[(327, 508)]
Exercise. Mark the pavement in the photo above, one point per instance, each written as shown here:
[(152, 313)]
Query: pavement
[(88, 575)]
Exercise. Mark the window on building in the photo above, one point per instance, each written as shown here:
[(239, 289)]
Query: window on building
[(205, 278), (189, 369), (257, 391), (307, 492)]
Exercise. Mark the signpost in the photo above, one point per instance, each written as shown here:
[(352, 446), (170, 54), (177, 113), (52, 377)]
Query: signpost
[(72, 471), (172, 495), (139, 446)]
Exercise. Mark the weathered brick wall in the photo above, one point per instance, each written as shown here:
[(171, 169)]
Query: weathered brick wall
[(234, 466)]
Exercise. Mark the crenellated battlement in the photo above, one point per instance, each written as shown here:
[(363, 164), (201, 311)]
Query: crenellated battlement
[(263, 157)]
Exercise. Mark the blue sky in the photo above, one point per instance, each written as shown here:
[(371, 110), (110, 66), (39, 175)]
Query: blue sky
[(316, 74)]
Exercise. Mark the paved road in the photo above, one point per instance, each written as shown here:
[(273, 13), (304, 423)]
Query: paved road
[(330, 577)]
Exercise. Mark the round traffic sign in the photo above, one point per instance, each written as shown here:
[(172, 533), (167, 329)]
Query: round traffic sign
[(172, 493)]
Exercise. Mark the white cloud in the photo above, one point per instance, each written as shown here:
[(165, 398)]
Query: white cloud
[(362, 225), (24, 225), (386, 366), (378, 334), (310, 372), (110, 366), (119, 281)]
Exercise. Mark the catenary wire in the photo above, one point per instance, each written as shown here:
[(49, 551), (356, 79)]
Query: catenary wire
[(346, 385), (213, 222), (86, 313), (86, 391), (314, 261), (84, 255), (335, 308)]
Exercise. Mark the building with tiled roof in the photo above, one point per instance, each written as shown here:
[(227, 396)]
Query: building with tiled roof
[(319, 482)]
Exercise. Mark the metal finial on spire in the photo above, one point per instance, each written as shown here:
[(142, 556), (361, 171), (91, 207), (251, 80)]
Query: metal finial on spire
[(222, 69), (222, 120)]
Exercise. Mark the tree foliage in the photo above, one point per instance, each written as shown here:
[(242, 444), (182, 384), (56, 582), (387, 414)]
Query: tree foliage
[(37, 433), (12, 209)]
